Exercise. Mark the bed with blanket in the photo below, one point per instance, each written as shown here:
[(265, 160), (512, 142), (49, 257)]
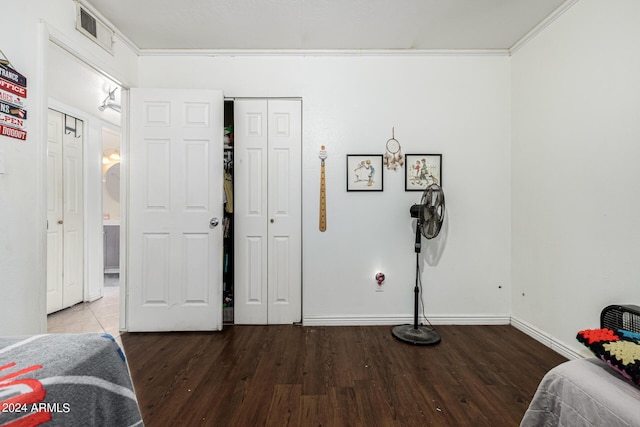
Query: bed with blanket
[(599, 391), (65, 380)]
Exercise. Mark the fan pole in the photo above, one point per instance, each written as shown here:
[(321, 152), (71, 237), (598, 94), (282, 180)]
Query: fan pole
[(416, 292), (416, 289), (416, 334)]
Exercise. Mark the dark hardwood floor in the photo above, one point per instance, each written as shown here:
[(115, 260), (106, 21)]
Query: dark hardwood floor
[(335, 376)]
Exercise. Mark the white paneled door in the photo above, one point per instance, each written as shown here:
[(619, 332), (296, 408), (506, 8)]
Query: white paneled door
[(65, 237), (267, 211), (175, 210)]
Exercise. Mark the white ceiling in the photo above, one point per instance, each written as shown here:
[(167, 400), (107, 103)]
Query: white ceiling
[(325, 24)]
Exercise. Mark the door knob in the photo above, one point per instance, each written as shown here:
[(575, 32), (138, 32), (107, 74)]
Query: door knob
[(214, 222), (60, 221)]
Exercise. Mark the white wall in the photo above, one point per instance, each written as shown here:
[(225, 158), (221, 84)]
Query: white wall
[(75, 84), (575, 174), (539, 170), (457, 106), (454, 105), (22, 187), (22, 226)]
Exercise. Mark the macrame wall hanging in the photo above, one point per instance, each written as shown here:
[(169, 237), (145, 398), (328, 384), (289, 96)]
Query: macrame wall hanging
[(393, 158)]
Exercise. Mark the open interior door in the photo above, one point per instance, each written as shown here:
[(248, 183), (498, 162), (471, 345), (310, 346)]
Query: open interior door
[(175, 210)]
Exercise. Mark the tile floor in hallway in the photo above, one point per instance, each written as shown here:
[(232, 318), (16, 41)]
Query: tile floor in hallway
[(101, 315)]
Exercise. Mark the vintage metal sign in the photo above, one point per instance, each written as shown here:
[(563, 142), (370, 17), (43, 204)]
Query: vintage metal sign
[(12, 75), (11, 121), (13, 91), (13, 88), (11, 98), (13, 132), (13, 110)]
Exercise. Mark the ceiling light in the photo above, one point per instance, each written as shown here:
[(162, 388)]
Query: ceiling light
[(111, 155)]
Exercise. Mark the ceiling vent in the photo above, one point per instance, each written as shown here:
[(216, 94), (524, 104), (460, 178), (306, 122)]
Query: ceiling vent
[(94, 28)]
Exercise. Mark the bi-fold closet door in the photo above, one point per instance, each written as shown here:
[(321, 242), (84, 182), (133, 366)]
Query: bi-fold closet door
[(267, 211), (65, 236)]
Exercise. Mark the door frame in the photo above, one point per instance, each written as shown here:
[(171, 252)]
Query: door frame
[(49, 34), (92, 215)]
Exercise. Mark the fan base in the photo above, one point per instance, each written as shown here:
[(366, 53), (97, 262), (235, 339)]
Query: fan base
[(422, 335)]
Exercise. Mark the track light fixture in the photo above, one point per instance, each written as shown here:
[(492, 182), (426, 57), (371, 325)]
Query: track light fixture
[(108, 102)]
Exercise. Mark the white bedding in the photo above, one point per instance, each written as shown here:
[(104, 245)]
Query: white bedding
[(585, 392)]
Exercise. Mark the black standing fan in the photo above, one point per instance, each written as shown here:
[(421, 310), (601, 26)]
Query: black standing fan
[(430, 215)]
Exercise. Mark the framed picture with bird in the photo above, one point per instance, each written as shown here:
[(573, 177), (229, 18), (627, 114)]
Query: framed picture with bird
[(422, 170)]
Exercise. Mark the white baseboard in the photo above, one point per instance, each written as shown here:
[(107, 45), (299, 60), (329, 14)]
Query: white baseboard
[(371, 320), (367, 320), (93, 297), (545, 339)]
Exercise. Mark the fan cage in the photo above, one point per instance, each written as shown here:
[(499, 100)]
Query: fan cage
[(625, 317)]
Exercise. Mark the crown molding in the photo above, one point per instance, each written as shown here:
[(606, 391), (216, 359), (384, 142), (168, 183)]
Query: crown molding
[(560, 10), (323, 52), (128, 43)]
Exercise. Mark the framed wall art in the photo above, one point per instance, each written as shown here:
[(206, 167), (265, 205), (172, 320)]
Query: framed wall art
[(422, 170), (364, 172)]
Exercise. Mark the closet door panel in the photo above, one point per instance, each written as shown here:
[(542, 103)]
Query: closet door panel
[(281, 254), (280, 196), (73, 268), (55, 226), (285, 227), (254, 182), (250, 211), (254, 263), (73, 215)]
